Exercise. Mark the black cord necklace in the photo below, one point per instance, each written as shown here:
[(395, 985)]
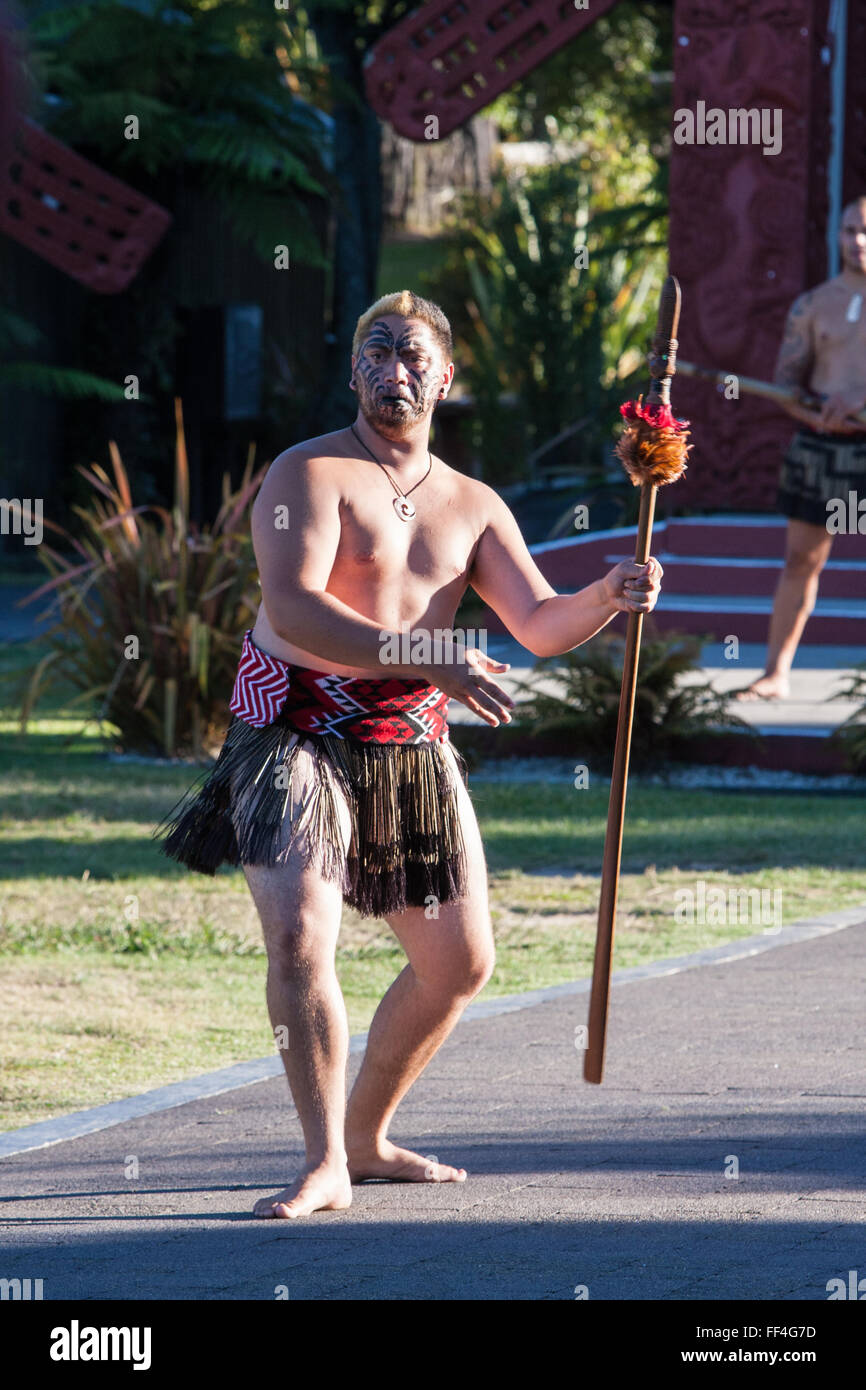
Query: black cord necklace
[(402, 506)]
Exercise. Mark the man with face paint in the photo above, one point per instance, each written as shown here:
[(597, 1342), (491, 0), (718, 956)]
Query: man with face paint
[(824, 352), (359, 535)]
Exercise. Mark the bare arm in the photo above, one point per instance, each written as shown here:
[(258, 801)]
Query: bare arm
[(796, 357), (548, 624), (295, 562)]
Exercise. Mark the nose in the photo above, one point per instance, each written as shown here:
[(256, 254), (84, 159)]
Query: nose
[(396, 372)]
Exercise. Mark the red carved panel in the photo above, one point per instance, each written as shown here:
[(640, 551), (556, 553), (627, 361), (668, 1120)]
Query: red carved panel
[(747, 229), (450, 58), (817, 171), (86, 222), (854, 183)]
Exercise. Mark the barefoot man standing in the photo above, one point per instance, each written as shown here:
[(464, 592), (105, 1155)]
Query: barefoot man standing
[(337, 780), (823, 351)]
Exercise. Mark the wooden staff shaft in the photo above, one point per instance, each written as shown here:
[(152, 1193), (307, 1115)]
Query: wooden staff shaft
[(753, 386), (593, 1062), (662, 364)]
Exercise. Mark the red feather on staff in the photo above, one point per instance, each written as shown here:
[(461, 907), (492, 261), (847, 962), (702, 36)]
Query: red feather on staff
[(652, 448)]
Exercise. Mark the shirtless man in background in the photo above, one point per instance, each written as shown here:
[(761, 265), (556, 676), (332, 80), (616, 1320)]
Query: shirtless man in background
[(824, 352), (348, 568)]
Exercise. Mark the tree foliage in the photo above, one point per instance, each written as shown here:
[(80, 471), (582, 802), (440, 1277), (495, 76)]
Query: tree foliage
[(607, 95), (206, 85), (553, 304)]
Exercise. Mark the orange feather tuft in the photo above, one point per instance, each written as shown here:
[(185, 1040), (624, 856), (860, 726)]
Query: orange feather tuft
[(651, 454)]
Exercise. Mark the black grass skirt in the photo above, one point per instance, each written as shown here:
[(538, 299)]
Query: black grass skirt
[(818, 468), (406, 846)]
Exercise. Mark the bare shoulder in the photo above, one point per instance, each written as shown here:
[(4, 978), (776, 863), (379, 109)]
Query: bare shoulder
[(307, 464), (477, 499), (831, 294), (805, 304), (321, 450)]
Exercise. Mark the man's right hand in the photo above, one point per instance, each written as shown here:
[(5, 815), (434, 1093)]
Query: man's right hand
[(818, 419), (468, 681), (803, 414), (838, 409)]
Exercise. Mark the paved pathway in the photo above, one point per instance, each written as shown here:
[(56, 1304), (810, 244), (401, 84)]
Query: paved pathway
[(756, 1065)]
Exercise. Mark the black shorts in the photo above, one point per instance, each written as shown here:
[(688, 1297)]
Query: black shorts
[(818, 468)]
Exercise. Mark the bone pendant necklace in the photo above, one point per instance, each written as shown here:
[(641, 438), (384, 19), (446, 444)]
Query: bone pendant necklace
[(402, 506), (853, 314)]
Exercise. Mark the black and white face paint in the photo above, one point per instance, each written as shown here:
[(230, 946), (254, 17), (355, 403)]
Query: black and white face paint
[(392, 400)]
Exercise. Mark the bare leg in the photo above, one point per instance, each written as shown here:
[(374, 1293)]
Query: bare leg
[(808, 550), (450, 959), (300, 915)]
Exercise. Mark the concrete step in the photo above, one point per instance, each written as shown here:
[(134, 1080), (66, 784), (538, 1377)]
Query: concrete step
[(718, 574), (744, 536), (707, 558), (574, 561), (838, 621)]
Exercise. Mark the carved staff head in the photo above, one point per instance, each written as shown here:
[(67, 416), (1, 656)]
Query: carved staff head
[(652, 447)]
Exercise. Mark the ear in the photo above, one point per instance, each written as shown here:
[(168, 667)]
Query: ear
[(448, 376), (352, 377)]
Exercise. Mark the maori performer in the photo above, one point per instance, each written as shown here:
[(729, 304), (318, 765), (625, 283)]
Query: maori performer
[(337, 780), (823, 352)]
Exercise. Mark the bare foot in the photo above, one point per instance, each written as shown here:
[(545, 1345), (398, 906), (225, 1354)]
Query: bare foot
[(765, 688), (400, 1165), (319, 1189)]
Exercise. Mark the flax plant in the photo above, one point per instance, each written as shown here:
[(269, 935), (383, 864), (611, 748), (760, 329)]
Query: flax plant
[(149, 610)]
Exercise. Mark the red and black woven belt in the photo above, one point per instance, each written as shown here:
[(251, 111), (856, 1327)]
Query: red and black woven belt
[(393, 709)]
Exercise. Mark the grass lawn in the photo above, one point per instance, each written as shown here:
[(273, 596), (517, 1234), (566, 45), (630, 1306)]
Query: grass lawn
[(121, 971)]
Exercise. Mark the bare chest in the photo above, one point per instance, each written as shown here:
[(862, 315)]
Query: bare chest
[(378, 546), (840, 330)]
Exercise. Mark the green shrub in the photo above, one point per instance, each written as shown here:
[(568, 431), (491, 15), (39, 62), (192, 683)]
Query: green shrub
[(669, 715), (851, 736), (150, 609)]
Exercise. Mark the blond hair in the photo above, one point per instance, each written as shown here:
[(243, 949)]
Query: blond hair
[(408, 306)]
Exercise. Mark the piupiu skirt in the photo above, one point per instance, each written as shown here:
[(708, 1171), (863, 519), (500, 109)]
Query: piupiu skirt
[(277, 790), (818, 468)]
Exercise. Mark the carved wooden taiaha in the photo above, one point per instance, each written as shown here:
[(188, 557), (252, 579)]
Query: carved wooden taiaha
[(753, 386), (653, 452)]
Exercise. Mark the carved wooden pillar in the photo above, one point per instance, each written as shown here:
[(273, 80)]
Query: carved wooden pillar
[(748, 229), (854, 182)]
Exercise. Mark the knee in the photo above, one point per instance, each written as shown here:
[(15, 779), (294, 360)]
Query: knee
[(295, 951), (804, 564), (464, 975), (479, 971)]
